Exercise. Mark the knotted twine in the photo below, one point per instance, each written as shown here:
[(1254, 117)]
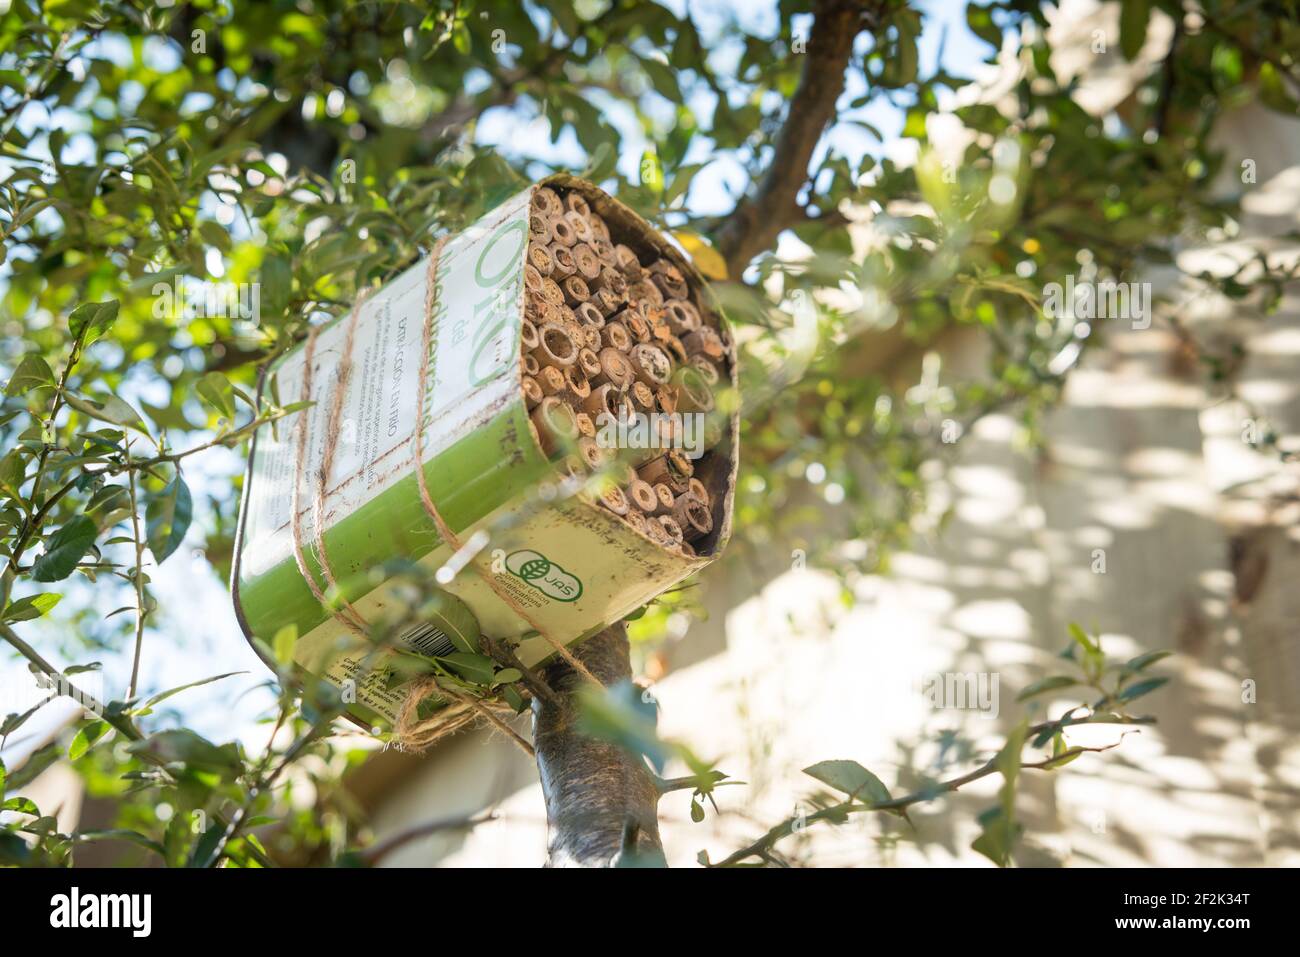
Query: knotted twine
[(412, 732)]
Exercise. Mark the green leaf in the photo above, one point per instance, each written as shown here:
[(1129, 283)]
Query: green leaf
[(216, 390), (94, 318), (86, 738), (32, 606), (13, 849), (1141, 688), (21, 805), (64, 549), (1133, 18), (283, 644), (477, 668), (1134, 665), (109, 409), (164, 695), (277, 284), (33, 372), (980, 21), (1046, 684), (851, 778), (999, 829), (1081, 636), (167, 518), (180, 745)]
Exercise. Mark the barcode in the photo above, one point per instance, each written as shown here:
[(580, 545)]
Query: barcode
[(428, 640)]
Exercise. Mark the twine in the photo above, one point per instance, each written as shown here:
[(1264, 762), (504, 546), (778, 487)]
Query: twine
[(444, 530), (465, 708)]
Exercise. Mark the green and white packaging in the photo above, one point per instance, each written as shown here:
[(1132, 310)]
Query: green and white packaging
[(574, 566)]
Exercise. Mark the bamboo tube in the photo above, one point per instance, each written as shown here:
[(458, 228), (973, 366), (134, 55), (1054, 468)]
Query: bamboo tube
[(575, 290), (540, 258), (589, 362), (636, 518), (643, 397), (704, 341), (532, 279), (555, 346), (576, 385), (611, 279), (551, 380), (693, 393), (586, 262), (646, 292), (575, 202), (608, 301), (635, 320), (650, 364), (616, 336), (532, 392), (671, 527), (707, 370), (659, 329), (562, 263), (562, 232), (615, 368), (656, 533), (695, 487), (600, 228), (590, 337), (581, 226), (592, 454), (682, 316), (530, 364), (604, 251), (547, 201), (669, 279), (528, 335), (551, 292), (586, 427), (642, 495), (539, 225), (614, 500), (664, 499), (687, 550), (672, 468), (693, 516), (674, 347), (589, 315), (628, 264), (604, 399), (666, 399), (554, 423)]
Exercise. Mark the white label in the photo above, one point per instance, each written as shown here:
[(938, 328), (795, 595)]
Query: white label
[(479, 272)]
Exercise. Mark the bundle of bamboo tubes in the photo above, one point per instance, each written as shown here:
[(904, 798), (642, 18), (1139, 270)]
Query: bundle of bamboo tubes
[(606, 334)]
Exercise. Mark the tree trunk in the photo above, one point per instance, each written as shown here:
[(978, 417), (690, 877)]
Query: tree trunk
[(601, 801)]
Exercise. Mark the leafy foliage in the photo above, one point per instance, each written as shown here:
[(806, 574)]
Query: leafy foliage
[(314, 149)]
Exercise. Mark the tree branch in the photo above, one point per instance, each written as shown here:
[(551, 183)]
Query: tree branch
[(760, 218), (601, 801)]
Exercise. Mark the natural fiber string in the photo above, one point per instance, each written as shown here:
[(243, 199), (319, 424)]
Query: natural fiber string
[(444, 530), (346, 613), (415, 734)]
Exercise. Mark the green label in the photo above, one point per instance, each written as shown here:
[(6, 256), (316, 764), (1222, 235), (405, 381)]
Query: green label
[(543, 574)]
